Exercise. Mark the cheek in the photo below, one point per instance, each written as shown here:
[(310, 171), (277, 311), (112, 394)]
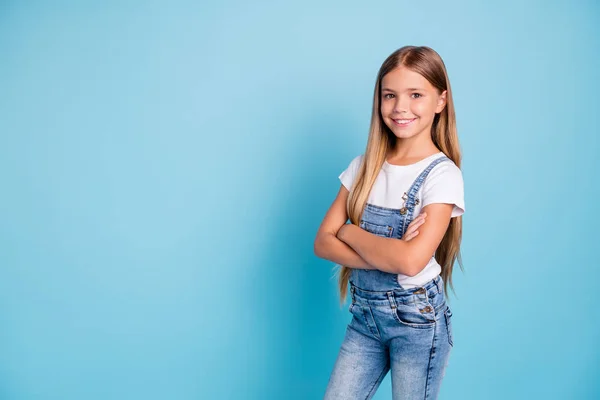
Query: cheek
[(423, 109), (385, 109)]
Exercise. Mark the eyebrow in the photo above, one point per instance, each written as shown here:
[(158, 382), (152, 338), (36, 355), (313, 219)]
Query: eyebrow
[(408, 90)]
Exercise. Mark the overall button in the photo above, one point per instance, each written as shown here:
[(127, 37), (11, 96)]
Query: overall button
[(403, 210), (426, 309), (420, 291)]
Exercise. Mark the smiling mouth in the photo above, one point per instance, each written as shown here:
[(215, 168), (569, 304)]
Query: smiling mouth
[(403, 122)]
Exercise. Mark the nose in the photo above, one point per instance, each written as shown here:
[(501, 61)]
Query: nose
[(401, 104)]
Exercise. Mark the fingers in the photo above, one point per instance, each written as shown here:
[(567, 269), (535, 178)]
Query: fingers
[(410, 236), (420, 220)]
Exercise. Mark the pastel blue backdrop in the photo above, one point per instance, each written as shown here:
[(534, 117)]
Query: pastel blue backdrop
[(164, 167)]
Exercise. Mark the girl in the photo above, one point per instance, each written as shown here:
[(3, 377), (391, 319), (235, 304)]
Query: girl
[(398, 266)]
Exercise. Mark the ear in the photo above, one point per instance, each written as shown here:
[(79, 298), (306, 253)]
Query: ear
[(441, 102)]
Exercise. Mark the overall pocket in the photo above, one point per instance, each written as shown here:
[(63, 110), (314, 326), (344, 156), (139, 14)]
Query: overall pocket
[(420, 314), (379, 230), (364, 317)]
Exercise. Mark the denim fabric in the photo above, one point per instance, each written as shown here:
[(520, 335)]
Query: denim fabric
[(407, 331)]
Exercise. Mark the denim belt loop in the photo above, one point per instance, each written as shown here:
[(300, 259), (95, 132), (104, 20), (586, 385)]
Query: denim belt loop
[(352, 293), (392, 300)]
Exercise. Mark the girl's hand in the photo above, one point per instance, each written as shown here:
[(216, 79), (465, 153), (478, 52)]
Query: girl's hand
[(412, 231)]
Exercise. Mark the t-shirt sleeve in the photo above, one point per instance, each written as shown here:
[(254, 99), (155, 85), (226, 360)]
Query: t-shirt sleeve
[(349, 174), (445, 184)]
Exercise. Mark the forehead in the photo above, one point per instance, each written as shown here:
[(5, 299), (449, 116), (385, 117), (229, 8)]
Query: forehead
[(402, 78)]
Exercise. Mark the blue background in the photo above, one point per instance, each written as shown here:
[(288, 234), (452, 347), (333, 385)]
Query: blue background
[(164, 168)]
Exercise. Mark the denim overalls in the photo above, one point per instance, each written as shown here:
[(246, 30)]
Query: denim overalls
[(407, 331)]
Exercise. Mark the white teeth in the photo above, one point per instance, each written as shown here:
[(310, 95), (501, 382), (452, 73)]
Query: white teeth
[(403, 121)]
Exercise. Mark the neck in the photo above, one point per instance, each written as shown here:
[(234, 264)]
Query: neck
[(420, 146)]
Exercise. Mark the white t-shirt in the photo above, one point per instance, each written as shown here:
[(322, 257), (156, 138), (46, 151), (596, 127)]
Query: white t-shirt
[(444, 184)]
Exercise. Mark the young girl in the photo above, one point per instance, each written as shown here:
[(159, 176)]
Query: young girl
[(404, 198)]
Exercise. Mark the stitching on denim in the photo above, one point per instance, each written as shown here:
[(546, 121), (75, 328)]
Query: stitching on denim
[(374, 331), (430, 366), (438, 283), (384, 230), (416, 325), (414, 188)]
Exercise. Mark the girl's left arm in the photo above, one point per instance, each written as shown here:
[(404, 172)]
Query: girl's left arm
[(399, 256)]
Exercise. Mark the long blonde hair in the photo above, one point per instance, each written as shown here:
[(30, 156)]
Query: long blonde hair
[(429, 64)]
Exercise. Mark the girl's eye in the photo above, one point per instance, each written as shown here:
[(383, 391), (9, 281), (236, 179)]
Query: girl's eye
[(389, 95)]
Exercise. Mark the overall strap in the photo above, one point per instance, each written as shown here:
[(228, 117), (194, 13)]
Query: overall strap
[(409, 197)]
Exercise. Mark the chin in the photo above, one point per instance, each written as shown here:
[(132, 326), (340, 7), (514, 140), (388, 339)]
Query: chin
[(404, 135)]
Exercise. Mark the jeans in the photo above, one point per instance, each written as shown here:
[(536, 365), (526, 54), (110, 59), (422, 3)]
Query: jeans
[(407, 331)]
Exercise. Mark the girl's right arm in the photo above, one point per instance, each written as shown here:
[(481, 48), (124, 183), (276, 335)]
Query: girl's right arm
[(327, 245)]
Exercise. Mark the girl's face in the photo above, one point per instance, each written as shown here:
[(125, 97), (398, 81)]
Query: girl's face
[(409, 103)]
